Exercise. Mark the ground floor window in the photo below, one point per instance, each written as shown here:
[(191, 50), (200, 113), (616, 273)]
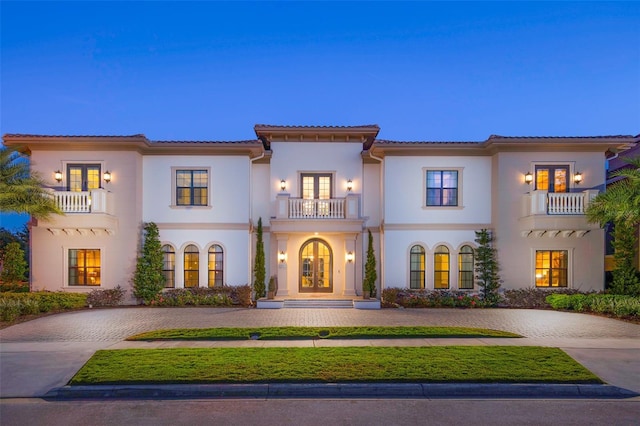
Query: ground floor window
[(191, 266), (441, 268), (551, 268), (416, 266), (84, 267), (215, 266), (465, 267), (169, 266)]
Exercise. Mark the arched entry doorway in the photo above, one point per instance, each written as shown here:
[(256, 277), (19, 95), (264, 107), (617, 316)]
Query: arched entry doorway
[(316, 267)]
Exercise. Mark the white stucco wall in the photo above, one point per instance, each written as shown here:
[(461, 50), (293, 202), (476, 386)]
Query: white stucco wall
[(405, 190)]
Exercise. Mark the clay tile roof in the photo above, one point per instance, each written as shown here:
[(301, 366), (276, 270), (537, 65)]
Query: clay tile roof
[(493, 137), (23, 135), (408, 143), (245, 142), (271, 126)]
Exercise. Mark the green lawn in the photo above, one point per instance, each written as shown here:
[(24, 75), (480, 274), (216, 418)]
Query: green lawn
[(288, 333), (485, 364)]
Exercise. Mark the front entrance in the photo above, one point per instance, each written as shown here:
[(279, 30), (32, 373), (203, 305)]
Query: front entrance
[(316, 267)]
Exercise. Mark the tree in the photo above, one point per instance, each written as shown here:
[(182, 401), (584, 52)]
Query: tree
[(259, 271), (620, 204), (14, 266), (487, 267), (22, 191), (149, 280), (370, 274)]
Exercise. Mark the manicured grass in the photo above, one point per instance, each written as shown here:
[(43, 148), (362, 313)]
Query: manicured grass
[(288, 333), (498, 364)]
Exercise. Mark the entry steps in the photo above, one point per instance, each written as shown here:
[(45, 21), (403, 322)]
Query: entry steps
[(318, 303)]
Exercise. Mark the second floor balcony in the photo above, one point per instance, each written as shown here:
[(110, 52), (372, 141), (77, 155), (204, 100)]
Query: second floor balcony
[(94, 201), (85, 213), (556, 214)]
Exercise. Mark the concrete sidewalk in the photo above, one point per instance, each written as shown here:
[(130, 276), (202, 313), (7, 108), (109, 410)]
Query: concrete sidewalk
[(38, 358)]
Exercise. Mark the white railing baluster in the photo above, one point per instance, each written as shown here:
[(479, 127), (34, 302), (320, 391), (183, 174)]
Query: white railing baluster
[(73, 202), (566, 203), (316, 209)]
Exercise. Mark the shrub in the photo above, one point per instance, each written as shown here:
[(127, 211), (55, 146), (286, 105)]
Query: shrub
[(217, 296), (9, 309), (12, 305), (532, 298), (431, 299), (14, 265), (112, 297), (610, 304), (148, 279)]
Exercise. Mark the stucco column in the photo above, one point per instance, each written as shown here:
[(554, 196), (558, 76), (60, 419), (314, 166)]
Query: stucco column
[(283, 284), (350, 267)]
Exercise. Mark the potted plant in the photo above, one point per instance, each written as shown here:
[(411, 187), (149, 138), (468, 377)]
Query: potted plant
[(273, 287)]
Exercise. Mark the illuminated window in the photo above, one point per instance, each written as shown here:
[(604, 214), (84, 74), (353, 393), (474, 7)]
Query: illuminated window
[(169, 266), (192, 187), (215, 266), (83, 177), (551, 268), (465, 268), (417, 267), (552, 178), (84, 267), (441, 268), (191, 266), (442, 187)]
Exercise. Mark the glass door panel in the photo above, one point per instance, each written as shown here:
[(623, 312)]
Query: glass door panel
[(315, 268)]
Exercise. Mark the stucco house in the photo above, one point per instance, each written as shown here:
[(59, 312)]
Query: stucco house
[(318, 190)]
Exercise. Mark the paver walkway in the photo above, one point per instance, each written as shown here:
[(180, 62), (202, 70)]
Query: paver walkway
[(39, 355)]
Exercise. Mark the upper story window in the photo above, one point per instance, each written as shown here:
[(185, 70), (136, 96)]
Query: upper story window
[(552, 178), (83, 177), (442, 188), (316, 186), (192, 187), (84, 267)]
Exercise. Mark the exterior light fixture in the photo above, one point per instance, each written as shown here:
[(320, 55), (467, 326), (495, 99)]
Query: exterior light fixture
[(350, 257), (281, 257), (283, 184), (107, 176), (528, 178), (349, 185), (57, 175), (577, 178)]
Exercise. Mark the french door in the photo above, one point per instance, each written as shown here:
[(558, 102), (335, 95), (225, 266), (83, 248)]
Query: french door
[(552, 178), (83, 177), (316, 266)]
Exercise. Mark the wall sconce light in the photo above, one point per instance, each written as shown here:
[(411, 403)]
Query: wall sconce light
[(349, 185), (283, 184), (58, 175), (350, 257), (528, 178), (577, 178), (281, 257), (107, 176)]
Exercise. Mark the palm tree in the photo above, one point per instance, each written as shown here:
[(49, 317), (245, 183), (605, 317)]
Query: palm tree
[(22, 191), (620, 204)]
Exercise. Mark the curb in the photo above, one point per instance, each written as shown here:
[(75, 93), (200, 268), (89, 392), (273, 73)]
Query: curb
[(343, 390)]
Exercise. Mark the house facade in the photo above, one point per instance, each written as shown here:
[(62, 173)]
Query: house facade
[(318, 191)]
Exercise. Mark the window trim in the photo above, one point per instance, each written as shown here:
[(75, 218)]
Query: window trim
[(184, 269), (64, 183), (173, 271), (460, 204), (571, 166), (316, 173), (222, 253), (448, 270), (65, 257), (174, 182), (423, 284)]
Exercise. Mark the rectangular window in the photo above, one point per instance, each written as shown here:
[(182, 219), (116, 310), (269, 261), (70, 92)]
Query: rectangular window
[(551, 268), (84, 267), (83, 177), (192, 187), (442, 187), (552, 178)]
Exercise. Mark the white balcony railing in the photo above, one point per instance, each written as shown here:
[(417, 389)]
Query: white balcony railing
[(94, 201), (558, 203), (316, 209)]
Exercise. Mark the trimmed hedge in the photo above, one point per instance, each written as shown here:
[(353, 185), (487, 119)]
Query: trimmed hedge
[(395, 297), (197, 296), (14, 305), (609, 304)]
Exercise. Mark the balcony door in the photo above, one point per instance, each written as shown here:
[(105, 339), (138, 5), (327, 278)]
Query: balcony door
[(316, 187), (552, 178), (316, 267), (83, 177)]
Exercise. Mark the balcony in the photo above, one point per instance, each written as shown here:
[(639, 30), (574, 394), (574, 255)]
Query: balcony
[(554, 214), (85, 213), (328, 215)]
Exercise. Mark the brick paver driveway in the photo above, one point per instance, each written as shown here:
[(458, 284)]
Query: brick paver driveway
[(99, 325)]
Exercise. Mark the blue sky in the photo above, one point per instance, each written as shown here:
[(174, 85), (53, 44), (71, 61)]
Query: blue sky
[(420, 70)]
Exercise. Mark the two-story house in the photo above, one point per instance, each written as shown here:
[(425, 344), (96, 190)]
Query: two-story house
[(319, 190)]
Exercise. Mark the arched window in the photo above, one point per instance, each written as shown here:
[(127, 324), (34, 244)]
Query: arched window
[(441, 267), (169, 266), (191, 266), (465, 266), (316, 267), (215, 266), (416, 261)]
